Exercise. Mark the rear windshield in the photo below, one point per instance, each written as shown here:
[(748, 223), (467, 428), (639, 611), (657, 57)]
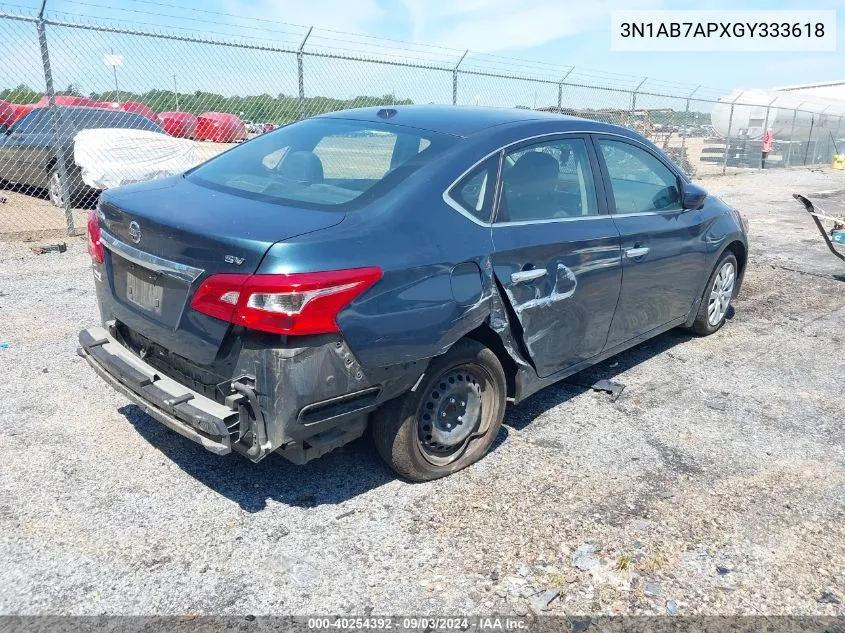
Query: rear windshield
[(322, 163)]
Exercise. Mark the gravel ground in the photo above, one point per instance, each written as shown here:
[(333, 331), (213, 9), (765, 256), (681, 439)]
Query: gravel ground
[(714, 485)]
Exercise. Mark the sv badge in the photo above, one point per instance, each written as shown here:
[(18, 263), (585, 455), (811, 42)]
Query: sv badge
[(231, 259)]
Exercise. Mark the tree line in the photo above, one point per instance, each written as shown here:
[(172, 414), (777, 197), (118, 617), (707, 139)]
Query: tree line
[(263, 108)]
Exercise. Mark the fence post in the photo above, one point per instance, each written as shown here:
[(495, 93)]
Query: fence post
[(455, 78), (55, 138), (792, 135), (809, 138), (728, 139), (300, 54), (684, 130), (634, 100), (816, 145), (560, 89)]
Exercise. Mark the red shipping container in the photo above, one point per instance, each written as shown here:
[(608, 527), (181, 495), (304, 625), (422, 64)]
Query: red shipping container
[(220, 127), (180, 124)]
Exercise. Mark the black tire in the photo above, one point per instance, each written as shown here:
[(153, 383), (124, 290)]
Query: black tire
[(705, 322), (475, 386)]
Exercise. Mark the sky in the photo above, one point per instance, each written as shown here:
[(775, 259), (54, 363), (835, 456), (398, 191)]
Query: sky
[(551, 34)]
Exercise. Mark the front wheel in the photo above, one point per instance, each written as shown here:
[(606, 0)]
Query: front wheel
[(717, 296), (450, 421)]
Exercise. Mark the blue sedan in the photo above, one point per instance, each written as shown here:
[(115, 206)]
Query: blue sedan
[(411, 269)]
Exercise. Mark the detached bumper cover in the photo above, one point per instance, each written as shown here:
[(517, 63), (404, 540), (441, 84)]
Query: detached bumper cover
[(181, 409)]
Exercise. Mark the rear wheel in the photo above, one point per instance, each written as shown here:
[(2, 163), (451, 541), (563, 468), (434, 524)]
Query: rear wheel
[(79, 197), (56, 189), (717, 296), (450, 421)]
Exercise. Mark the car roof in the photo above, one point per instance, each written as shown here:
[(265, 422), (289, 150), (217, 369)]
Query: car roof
[(457, 120)]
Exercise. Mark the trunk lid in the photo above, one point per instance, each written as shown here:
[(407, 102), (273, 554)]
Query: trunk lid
[(164, 238)]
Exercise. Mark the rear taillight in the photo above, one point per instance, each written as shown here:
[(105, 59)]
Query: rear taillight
[(95, 246), (296, 304)]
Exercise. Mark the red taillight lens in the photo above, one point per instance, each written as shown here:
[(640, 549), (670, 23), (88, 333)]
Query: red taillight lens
[(95, 246), (296, 304)]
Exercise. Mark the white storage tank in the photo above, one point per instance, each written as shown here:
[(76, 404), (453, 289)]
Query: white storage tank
[(749, 115)]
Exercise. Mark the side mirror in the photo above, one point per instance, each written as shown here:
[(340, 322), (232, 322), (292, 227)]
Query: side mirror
[(693, 196)]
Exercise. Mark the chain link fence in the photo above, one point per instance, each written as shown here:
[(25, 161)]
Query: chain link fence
[(86, 105)]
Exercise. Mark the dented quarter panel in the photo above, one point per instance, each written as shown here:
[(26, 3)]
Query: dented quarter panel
[(293, 374)]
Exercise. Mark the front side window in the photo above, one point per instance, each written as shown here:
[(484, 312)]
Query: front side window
[(322, 163), (548, 181), (639, 180)]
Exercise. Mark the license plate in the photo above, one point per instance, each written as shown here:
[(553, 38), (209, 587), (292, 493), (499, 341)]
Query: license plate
[(143, 294)]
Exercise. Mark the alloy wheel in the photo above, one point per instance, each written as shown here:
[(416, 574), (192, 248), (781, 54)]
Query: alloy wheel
[(721, 294), (56, 195)]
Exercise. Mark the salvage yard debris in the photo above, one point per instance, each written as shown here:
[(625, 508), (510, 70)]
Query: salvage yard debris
[(49, 248)]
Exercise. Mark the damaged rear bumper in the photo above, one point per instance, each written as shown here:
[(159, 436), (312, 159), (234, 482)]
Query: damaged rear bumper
[(179, 408), (301, 402)]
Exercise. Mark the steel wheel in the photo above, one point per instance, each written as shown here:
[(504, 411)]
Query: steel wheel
[(721, 293), (419, 435), (452, 414)]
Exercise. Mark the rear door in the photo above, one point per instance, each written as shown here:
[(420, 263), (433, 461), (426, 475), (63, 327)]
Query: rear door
[(556, 250), (663, 248)]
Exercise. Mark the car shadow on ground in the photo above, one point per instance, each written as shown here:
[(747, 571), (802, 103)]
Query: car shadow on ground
[(81, 203), (355, 468)]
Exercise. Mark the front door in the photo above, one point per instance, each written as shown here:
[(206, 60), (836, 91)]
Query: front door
[(556, 251), (663, 245)]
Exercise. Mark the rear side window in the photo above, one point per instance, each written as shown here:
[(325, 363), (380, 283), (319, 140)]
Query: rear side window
[(323, 163), (639, 180), (474, 192)]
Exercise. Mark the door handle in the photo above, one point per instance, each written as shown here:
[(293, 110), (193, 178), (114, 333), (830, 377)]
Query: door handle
[(527, 275), (638, 251)]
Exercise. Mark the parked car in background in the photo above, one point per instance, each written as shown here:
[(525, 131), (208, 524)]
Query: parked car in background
[(132, 106), (412, 268), (28, 152), (68, 100), (7, 113), (179, 124), (267, 127), (22, 109), (220, 127)]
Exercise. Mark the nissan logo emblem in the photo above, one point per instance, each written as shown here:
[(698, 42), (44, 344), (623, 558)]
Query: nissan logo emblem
[(135, 231)]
